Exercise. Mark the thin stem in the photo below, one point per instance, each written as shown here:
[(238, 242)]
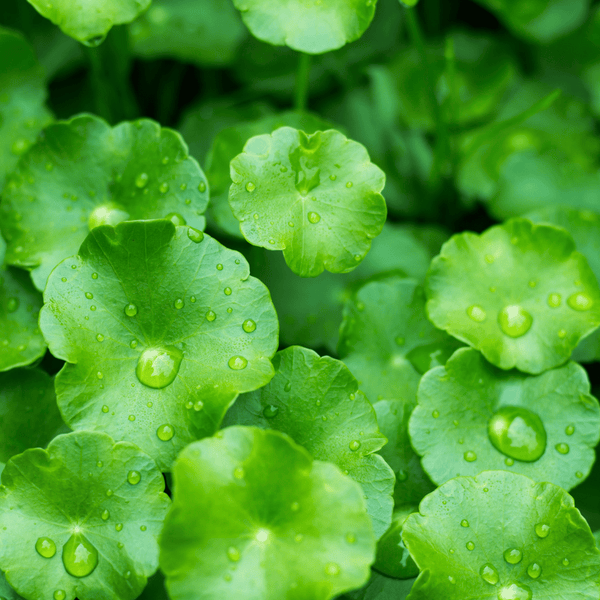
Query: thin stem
[(99, 83), (302, 82)]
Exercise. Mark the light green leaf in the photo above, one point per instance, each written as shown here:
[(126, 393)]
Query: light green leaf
[(314, 27), (6, 591), (412, 483), (310, 310), (584, 226), (316, 197), (518, 292), (204, 32), (467, 527), (381, 588), (22, 96), (315, 400), (84, 516), (230, 142), (161, 327), (284, 526), (393, 559), (539, 20), (82, 174), (88, 21), (20, 337), (29, 416), (473, 417), (387, 341)]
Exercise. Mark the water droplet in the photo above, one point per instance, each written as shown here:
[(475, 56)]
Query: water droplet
[(59, 595), (250, 187), (237, 363), (100, 375), (580, 301), (314, 217), (202, 187), (270, 411), (489, 574), (158, 367), (133, 344), (105, 409), (562, 333), (514, 320), (79, 557), (350, 538), (198, 405), (401, 475), (89, 295), (63, 279), (476, 313), (332, 569), (470, 456), (134, 477), (333, 177), (219, 267), (165, 432), (248, 325), (105, 515), (163, 188), (532, 283), (578, 474), (435, 414), (227, 291), (94, 275), (514, 591), (542, 530), (464, 523), (131, 310), (179, 303), (143, 528), (354, 445), (489, 258), (554, 300), (565, 562), (92, 308), (295, 506), (119, 526), (534, 570), (562, 448), (470, 546), (131, 417), (238, 473), (100, 337), (517, 433), (12, 305), (195, 235), (570, 429), (211, 316), (349, 184), (45, 547), (513, 556), (142, 180)]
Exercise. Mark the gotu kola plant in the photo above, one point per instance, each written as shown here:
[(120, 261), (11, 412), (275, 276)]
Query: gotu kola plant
[(315, 398)]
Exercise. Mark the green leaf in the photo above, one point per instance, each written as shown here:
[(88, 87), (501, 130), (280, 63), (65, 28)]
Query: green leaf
[(316, 197), (88, 21), (310, 310), (28, 412), (162, 327), (412, 483), (83, 173), (381, 588), (409, 2), (498, 514), (473, 417), (393, 559), (314, 27), (518, 292), (84, 516), (204, 32), (284, 526), (539, 20), (155, 590), (316, 402), (229, 142), (584, 226), (6, 591), (387, 341), (22, 96), (20, 338)]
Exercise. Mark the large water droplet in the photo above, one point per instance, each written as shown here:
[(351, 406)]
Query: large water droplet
[(79, 557), (176, 219), (470, 456), (542, 530), (270, 411), (248, 325), (59, 595), (134, 477), (158, 367), (195, 235), (45, 547), (513, 556), (517, 433), (142, 180), (237, 363), (107, 214), (562, 448), (131, 310), (489, 574), (470, 546), (476, 313), (314, 217), (514, 591), (534, 570), (514, 320), (580, 301), (165, 432), (354, 445)]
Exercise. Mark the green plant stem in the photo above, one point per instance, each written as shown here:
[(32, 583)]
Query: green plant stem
[(100, 87), (302, 82)]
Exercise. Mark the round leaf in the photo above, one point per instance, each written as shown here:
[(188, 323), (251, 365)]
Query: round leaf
[(20, 337), (467, 527), (6, 591), (284, 526), (518, 292), (83, 173), (90, 20), (393, 559), (465, 421), (29, 416), (314, 27), (22, 96), (316, 197), (387, 341), (381, 588), (85, 503), (317, 403), (204, 32), (162, 327)]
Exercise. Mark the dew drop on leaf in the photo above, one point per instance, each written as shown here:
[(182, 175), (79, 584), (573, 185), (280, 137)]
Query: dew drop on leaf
[(250, 187), (211, 316), (332, 569), (514, 320), (542, 530), (270, 411), (233, 554), (158, 367), (79, 556), (89, 295), (100, 337), (562, 448), (198, 405), (470, 546), (105, 409), (464, 523), (163, 188), (59, 595), (227, 291), (131, 310), (237, 363), (45, 547), (105, 515), (470, 456), (94, 275), (570, 429), (12, 305), (134, 477), (534, 570), (141, 180), (165, 432), (489, 574), (476, 313), (513, 556), (195, 235), (554, 300), (314, 217), (119, 526), (354, 445), (248, 325), (517, 433), (565, 562), (238, 473), (202, 187), (580, 301), (179, 303)]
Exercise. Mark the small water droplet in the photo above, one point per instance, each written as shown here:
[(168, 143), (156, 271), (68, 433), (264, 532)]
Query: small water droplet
[(105, 515), (227, 291), (333, 177), (131, 417), (562, 333), (562, 448), (554, 300), (517, 433), (270, 411), (248, 325), (332, 569), (435, 414), (131, 310), (514, 320), (534, 570), (158, 367), (489, 258), (202, 187), (105, 409), (349, 184), (45, 547), (119, 526), (195, 235), (542, 530), (79, 556), (354, 445), (513, 556), (92, 308), (134, 477), (163, 188), (59, 595), (464, 523), (565, 562), (470, 546), (12, 305), (211, 316), (94, 275), (143, 528), (570, 429), (100, 337), (142, 180), (314, 217), (350, 538), (250, 187), (580, 301), (238, 473), (165, 432), (470, 456), (489, 574), (99, 375), (89, 295), (476, 313), (237, 363), (198, 405), (179, 303), (133, 344)]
